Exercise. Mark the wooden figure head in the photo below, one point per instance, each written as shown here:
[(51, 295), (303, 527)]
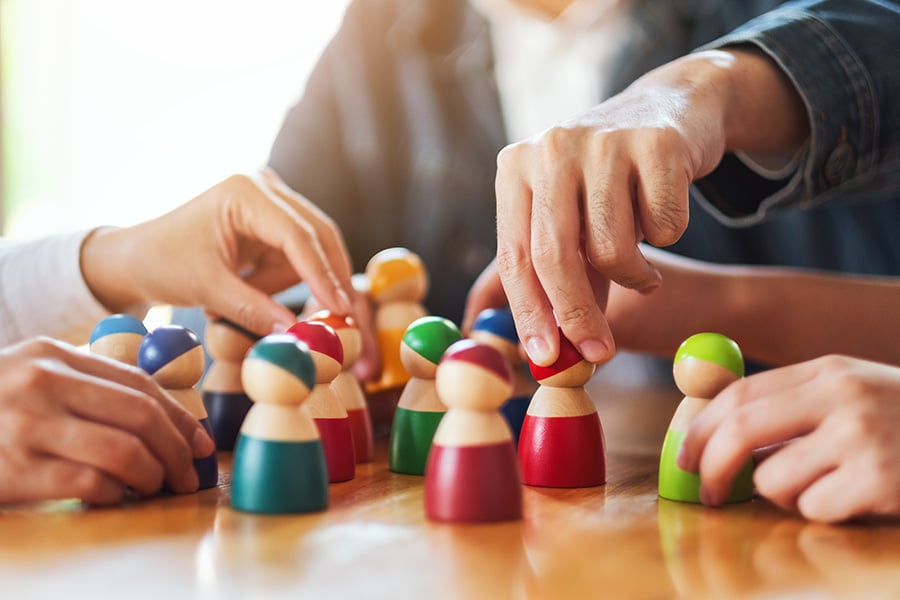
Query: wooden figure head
[(173, 355), (279, 369), (496, 328), (227, 341), (706, 363), (396, 274), (118, 337), (348, 332), (424, 343), (473, 376), (324, 346), (569, 370)]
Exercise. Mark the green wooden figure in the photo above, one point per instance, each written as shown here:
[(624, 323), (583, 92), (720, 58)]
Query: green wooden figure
[(279, 465), (419, 410), (705, 364)]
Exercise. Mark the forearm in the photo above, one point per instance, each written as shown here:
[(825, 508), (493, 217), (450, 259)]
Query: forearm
[(783, 316), (777, 315)]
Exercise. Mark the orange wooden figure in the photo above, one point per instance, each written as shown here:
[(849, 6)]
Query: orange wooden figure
[(347, 387), (472, 474), (561, 444), (398, 283)]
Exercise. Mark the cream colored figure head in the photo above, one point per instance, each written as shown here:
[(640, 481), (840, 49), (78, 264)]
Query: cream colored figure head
[(118, 337), (174, 357), (396, 275), (473, 376), (278, 371), (347, 332), (227, 342), (705, 364), (570, 370), (324, 346)]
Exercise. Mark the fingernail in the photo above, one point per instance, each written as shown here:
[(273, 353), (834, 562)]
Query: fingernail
[(539, 351), (682, 459), (202, 444), (594, 351)]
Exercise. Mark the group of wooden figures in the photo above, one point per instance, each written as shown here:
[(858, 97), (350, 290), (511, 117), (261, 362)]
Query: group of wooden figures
[(296, 418)]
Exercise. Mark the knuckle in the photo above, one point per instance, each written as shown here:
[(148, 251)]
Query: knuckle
[(512, 261), (127, 452), (573, 316), (147, 415), (555, 142), (510, 157)]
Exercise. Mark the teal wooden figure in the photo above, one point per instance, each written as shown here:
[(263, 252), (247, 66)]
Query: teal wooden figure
[(419, 410), (279, 465), (705, 364)]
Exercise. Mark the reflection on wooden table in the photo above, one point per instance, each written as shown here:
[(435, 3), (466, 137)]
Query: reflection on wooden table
[(613, 541)]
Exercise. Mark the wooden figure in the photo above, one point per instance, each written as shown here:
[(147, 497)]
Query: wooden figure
[(419, 410), (118, 337), (174, 357), (323, 405), (561, 444), (397, 285), (496, 328), (473, 474), (347, 387), (279, 464), (223, 395), (705, 364)]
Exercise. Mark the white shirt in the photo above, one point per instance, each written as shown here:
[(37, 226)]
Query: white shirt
[(549, 70), (42, 291)]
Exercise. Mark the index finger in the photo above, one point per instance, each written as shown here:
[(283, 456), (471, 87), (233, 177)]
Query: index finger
[(307, 239)]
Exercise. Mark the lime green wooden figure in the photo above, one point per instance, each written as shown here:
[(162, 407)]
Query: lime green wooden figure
[(419, 410), (279, 464), (705, 364)]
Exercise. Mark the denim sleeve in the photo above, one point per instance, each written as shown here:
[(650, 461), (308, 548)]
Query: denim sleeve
[(844, 59)]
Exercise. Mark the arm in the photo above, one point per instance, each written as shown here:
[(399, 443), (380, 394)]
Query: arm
[(839, 56), (625, 166), (840, 416), (624, 169), (225, 250), (778, 316)]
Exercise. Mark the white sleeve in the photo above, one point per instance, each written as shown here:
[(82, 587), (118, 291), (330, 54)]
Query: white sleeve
[(42, 291)]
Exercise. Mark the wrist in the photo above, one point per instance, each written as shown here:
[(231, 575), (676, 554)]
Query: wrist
[(763, 112), (107, 268)]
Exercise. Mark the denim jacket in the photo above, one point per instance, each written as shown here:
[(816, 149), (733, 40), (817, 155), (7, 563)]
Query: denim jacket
[(397, 133), (843, 57)]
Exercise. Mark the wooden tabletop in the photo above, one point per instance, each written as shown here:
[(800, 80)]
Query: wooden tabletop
[(615, 541)]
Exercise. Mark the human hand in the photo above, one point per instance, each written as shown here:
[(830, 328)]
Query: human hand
[(80, 426), (227, 250), (574, 201), (840, 412)]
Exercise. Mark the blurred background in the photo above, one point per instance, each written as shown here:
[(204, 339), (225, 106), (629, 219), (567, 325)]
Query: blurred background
[(113, 112)]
